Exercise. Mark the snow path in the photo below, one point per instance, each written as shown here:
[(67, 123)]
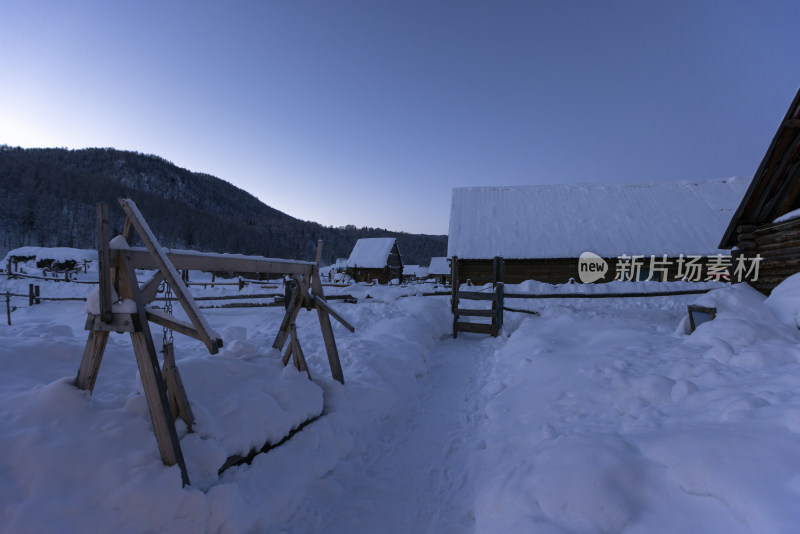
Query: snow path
[(413, 471)]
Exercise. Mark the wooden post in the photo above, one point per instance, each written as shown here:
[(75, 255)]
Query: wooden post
[(8, 307), (150, 372), (325, 322), (178, 400), (30, 295), (454, 299), (91, 359), (497, 308), (499, 269), (36, 299), (104, 262)]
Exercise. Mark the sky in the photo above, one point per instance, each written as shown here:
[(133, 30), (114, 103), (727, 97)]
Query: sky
[(370, 112)]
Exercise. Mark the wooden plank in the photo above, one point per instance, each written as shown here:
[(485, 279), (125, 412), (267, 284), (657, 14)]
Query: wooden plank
[(454, 293), (178, 400), (302, 287), (475, 328), (292, 310), (104, 262), (327, 331), (91, 359), (474, 295), (149, 290), (206, 261), (297, 352), (175, 281), (120, 322), (476, 313), (152, 381), (319, 301), (287, 354), (166, 320)]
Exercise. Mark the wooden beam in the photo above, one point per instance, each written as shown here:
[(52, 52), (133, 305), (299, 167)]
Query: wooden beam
[(206, 261), (120, 322), (325, 326), (91, 359), (178, 400), (475, 328), (297, 352), (104, 262), (476, 313), (292, 310), (163, 263), (474, 295), (149, 290), (166, 320), (152, 381), (319, 301)]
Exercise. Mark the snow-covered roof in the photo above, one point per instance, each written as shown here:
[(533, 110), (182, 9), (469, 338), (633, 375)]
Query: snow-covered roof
[(371, 252), (59, 254), (563, 221), (415, 270), (410, 269), (439, 265)]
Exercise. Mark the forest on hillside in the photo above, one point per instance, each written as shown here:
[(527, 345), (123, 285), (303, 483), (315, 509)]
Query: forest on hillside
[(48, 198)]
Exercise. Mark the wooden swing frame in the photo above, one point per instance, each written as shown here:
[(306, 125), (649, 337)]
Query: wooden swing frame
[(163, 388)]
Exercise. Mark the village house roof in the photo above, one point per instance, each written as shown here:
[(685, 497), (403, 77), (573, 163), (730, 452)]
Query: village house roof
[(775, 189), (371, 252), (439, 265), (565, 220)]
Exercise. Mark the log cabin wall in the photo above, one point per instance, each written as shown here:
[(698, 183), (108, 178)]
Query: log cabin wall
[(553, 271), (368, 275), (394, 265), (778, 244)]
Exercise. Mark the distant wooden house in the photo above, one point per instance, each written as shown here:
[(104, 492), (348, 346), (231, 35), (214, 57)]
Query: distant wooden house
[(541, 231), (440, 269), (375, 258), (414, 272), (767, 221)]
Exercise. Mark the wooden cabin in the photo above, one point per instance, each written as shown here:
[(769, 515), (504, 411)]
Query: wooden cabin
[(440, 269), (414, 272), (767, 221), (541, 231), (375, 258)]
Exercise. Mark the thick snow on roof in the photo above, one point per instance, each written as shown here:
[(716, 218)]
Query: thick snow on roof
[(562, 221), (371, 252), (439, 265), (53, 253)]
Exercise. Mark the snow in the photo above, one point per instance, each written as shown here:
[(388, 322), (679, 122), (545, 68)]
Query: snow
[(415, 270), (439, 265), (58, 254), (371, 252), (596, 416), (788, 216), (565, 220)]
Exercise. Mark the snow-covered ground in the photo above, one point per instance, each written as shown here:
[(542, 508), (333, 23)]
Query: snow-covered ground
[(597, 416)]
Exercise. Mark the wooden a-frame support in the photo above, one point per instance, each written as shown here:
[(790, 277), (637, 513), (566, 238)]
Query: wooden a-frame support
[(163, 388)]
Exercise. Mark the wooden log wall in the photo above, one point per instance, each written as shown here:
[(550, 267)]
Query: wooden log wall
[(368, 275), (551, 271), (779, 247)]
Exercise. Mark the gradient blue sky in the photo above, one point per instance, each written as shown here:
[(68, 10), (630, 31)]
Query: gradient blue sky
[(370, 112)]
